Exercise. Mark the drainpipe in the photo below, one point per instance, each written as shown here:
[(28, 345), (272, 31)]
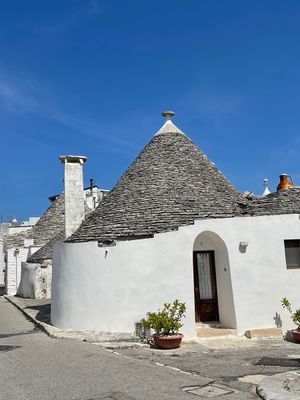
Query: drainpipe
[(73, 189)]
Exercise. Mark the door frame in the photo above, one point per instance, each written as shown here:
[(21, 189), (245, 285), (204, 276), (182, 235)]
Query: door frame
[(213, 283)]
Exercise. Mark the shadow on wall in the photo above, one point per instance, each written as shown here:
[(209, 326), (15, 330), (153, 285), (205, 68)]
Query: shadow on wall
[(278, 320)]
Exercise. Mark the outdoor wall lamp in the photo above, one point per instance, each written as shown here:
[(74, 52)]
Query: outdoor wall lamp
[(243, 244)]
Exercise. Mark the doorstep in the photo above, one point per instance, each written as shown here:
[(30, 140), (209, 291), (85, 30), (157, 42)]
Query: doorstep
[(213, 329)]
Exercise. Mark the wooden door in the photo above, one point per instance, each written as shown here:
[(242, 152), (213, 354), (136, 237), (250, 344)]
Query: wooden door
[(205, 287)]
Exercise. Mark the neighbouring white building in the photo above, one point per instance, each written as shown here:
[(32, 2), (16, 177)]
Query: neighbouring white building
[(174, 227), (11, 229), (27, 248)]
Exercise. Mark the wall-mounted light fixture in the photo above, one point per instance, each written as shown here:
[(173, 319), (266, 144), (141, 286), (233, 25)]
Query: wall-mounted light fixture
[(243, 246)]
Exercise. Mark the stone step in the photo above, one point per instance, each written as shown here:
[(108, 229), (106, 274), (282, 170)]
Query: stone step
[(212, 324), (214, 332), (264, 332), (121, 345)]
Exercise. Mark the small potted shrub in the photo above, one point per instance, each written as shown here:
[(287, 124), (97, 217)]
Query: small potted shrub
[(166, 324), (295, 316)]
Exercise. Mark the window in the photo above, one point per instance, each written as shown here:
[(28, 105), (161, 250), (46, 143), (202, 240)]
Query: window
[(292, 253)]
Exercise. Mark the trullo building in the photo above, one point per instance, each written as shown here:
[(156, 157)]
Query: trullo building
[(175, 227)]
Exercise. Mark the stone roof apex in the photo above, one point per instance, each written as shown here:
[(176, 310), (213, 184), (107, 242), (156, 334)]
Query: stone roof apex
[(169, 127)]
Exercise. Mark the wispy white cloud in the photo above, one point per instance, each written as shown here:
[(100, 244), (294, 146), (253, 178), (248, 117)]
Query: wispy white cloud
[(21, 96), (15, 100), (91, 9)]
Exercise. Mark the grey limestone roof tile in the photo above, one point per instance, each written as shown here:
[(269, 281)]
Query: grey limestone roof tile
[(49, 225), (46, 252), (277, 203), (170, 184)]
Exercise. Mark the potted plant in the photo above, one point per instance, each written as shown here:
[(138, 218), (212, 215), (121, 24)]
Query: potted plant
[(295, 316), (166, 324)]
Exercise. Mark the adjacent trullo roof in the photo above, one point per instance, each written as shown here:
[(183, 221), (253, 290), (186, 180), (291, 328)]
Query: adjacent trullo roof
[(49, 225), (58, 232), (170, 184)]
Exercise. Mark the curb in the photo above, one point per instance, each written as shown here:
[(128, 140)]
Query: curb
[(41, 325), (121, 342)]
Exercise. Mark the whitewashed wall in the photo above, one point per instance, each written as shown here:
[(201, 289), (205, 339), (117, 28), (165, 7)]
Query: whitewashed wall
[(35, 281), (15, 257), (108, 289), (2, 264)]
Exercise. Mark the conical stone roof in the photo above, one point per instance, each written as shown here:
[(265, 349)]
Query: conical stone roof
[(49, 225), (170, 184)]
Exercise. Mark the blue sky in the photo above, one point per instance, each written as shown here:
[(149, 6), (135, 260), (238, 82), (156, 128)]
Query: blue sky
[(92, 77)]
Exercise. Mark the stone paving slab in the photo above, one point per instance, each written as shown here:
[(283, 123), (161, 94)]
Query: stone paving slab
[(284, 386), (38, 311)]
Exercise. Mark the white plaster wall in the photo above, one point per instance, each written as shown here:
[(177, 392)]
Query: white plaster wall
[(109, 291), (2, 264), (35, 281), (13, 267), (259, 276)]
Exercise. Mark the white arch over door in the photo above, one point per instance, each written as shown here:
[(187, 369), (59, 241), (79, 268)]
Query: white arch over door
[(208, 241)]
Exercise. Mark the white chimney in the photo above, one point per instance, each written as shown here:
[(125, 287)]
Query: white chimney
[(74, 197), (266, 190)]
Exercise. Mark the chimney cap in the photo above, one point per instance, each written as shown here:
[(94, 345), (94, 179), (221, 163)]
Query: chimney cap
[(72, 159), (168, 114)]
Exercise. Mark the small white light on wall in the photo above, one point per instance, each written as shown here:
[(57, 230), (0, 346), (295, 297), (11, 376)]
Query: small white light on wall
[(243, 244)]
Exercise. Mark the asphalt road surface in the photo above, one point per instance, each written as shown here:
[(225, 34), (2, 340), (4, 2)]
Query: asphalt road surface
[(34, 366)]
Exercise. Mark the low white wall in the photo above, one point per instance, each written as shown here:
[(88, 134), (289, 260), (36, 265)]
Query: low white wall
[(108, 289), (2, 264), (260, 277), (35, 281), (15, 257), (13, 269)]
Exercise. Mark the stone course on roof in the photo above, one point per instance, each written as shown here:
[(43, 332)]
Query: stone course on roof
[(49, 225), (46, 252), (170, 184), (286, 201)]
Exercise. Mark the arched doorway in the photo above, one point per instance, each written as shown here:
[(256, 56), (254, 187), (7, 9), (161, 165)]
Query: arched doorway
[(212, 281)]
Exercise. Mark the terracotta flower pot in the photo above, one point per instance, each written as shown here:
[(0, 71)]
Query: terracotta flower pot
[(296, 335), (167, 341)]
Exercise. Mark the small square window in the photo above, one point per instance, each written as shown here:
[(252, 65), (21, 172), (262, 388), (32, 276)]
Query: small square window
[(292, 253)]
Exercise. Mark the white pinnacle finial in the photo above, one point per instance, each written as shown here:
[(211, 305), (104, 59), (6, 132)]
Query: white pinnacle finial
[(168, 114), (266, 191), (168, 126)]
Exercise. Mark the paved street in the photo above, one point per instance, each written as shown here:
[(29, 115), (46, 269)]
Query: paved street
[(34, 366), (38, 367)]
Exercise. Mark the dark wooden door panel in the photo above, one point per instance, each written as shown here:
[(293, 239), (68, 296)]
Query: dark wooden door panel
[(205, 287)]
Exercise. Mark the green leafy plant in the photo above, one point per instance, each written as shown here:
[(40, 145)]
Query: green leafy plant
[(295, 315), (168, 320)]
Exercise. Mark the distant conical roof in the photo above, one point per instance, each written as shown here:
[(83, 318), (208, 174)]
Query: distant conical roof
[(170, 184)]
